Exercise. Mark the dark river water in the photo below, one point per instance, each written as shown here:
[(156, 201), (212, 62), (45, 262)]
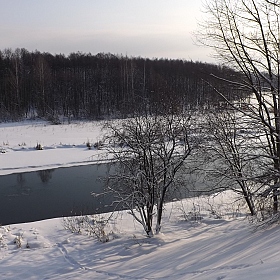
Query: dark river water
[(44, 194), (38, 195)]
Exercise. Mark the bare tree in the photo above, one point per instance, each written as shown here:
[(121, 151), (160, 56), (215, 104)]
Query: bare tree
[(149, 151), (233, 151), (245, 36)]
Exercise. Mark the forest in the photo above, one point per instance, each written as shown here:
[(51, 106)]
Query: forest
[(86, 86)]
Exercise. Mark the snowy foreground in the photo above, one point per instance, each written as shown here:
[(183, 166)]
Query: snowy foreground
[(202, 238)]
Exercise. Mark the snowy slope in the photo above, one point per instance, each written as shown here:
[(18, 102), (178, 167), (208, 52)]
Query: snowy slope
[(220, 243)]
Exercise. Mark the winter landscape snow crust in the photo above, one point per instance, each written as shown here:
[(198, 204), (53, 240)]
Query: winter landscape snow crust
[(63, 145), (202, 238)]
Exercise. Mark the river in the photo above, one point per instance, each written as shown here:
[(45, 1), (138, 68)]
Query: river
[(44, 194)]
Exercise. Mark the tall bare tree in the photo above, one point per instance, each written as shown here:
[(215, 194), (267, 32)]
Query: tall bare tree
[(233, 149), (245, 36)]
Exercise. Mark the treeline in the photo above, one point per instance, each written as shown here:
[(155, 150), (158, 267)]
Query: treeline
[(104, 85)]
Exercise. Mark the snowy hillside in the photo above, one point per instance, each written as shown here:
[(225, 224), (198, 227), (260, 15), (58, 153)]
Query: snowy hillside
[(202, 238)]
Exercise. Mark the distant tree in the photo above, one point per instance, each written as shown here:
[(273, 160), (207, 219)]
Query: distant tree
[(14, 82), (41, 85)]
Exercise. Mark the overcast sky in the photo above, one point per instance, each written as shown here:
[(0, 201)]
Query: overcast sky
[(146, 28)]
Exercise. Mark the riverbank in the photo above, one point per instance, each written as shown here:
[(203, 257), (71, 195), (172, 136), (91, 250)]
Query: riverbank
[(202, 238), (62, 145)]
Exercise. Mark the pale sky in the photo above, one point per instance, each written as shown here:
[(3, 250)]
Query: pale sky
[(146, 28)]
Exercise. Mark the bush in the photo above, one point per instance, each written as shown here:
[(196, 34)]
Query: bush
[(93, 225), (88, 144), (39, 147)]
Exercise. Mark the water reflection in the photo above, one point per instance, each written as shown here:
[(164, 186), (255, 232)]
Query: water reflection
[(20, 178), (45, 175), (21, 187)]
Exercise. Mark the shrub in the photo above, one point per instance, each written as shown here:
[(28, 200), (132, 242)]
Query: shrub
[(93, 225), (88, 144), (39, 147)]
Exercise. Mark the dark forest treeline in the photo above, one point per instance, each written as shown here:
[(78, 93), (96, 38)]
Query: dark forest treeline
[(97, 86)]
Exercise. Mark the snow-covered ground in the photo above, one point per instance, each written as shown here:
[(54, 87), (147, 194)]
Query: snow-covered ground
[(63, 145), (201, 238)]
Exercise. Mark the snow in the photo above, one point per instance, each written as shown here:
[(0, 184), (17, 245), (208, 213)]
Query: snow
[(63, 145), (202, 238)]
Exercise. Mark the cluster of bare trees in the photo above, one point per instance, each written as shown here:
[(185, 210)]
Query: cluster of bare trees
[(239, 145), (245, 35), (103, 85)]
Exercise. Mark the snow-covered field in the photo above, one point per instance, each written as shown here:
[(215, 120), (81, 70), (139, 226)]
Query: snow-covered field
[(63, 145), (200, 239)]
